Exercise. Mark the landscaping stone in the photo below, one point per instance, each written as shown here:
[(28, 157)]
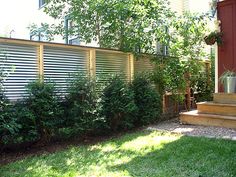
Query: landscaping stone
[(174, 126)]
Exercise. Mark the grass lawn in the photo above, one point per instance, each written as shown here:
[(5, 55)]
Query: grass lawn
[(145, 153)]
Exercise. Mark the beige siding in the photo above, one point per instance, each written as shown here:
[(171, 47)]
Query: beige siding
[(180, 6), (186, 5), (177, 6)]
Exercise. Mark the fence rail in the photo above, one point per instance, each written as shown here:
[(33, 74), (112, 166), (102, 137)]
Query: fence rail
[(54, 61)]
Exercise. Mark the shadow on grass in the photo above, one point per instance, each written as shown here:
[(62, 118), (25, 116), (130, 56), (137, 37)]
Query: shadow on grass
[(71, 160), (188, 156), (184, 156)]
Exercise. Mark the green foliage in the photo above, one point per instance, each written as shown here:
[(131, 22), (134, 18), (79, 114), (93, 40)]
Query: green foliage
[(118, 105), (174, 74), (127, 25), (17, 124), (9, 127), (3, 76), (213, 37), (204, 84), (25, 117), (204, 88), (169, 76), (187, 36), (43, 32), (81, 103), (147, 100), (44, 105), (8, 124)]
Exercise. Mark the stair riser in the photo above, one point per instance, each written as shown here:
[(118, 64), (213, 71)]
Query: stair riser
[(217, 109), (207, 121), (225, 98)]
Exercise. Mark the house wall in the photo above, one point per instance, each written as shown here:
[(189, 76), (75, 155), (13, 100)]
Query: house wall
[(227, 51), (18, 15), (177, 6), (180, 6)]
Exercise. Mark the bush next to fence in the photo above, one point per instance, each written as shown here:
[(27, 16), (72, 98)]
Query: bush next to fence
[(42, 114), (147, 99), (33, 118), (81, 104), (9, 126), (43, 104), (118, 105), (8, 123)]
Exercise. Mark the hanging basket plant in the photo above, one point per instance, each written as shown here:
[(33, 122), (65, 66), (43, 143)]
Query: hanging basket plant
[(213, 37)]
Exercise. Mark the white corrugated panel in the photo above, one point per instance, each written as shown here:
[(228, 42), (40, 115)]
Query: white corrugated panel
[(60, 62), (112, 63), (21, 63)]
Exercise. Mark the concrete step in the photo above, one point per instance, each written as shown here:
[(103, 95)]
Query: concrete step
[(196, 118), (216, 108), (224, 98)]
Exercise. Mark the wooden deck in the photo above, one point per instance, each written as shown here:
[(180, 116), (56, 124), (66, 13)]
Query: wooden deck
[(221, 112)]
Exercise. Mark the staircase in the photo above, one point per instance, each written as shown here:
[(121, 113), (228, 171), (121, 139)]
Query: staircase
[(221, 112)]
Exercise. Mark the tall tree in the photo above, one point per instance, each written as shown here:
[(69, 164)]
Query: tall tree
[(127, 25)]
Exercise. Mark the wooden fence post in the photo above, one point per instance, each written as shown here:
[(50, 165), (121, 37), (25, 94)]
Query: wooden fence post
[(92, 62), (41, 62), (131, 67)]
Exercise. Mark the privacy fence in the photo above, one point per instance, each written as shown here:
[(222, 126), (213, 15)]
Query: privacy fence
[(26, 60)]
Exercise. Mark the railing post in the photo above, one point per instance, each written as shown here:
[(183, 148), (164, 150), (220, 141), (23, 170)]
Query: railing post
[(131, 67), (92, 63), (41, 62)]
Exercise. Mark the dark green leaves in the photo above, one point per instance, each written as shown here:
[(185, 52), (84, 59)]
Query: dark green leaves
[(115, 24)]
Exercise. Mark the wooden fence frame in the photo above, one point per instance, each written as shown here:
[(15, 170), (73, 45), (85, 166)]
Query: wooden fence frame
[(91, 60)]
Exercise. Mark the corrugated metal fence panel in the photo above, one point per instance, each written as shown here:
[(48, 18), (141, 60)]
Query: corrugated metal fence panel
[(59, 63), (21, 62), (143, 65), (112, 63)]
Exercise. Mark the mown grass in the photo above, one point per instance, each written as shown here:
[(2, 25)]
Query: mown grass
[(145, 153)]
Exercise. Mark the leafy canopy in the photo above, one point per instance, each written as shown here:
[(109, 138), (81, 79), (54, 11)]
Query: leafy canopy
[(126, 25)]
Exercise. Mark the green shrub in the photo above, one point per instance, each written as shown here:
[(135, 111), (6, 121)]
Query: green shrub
[(9, 127), (147, 100), (26, 118), (204, 88), (43, 103), (17, 124), (81, 103), (118, 107)]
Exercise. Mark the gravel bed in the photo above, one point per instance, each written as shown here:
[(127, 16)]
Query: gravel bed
[(174, 126)]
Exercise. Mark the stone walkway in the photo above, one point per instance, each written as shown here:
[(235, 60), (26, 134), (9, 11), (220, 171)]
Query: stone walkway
[(195, 130)]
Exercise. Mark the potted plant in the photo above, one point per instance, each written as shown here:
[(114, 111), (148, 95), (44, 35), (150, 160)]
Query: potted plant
[(213, 37), (228, 79)]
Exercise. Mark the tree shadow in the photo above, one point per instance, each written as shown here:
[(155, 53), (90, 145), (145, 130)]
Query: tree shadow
[(75, 159), (186, 156)]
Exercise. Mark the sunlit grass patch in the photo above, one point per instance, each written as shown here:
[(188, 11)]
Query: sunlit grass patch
[(145, 153)]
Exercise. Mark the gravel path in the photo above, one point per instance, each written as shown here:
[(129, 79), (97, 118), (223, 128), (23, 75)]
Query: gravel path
[(195, 130)]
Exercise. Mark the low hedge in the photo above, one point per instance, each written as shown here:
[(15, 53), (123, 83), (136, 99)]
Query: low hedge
[(86, 109)]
